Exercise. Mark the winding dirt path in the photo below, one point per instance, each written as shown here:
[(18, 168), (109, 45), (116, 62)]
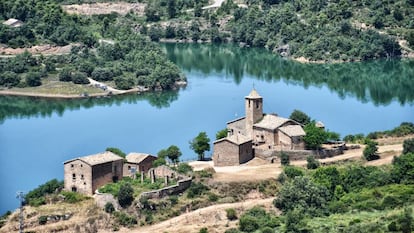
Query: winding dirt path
[(213, 218)]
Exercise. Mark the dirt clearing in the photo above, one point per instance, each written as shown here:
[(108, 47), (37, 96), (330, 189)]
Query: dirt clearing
[(121, 8)]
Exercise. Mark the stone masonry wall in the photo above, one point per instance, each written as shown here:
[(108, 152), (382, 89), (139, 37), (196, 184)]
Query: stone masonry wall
[(78, 174), (181, 186), (226, 154)]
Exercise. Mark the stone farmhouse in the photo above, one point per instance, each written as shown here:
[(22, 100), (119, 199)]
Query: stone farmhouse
[(137, 163), (256, 132), (87, 174)]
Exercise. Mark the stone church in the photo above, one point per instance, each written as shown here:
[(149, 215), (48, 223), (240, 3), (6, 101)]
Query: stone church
[(256, 131)]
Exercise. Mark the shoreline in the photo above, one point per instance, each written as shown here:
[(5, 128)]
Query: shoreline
[(112, 92), (62, 96)]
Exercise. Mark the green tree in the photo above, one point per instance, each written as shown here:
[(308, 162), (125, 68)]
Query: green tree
[(302, 193), (79, 78), (371, 150), (125, 195), (65, 75), (161, 155), (124, 83), (171, 8), (221, 134), (403, 168), (33, 79), (173, 153), (314, 137), (408, 146), (200, 145), (152, 12), (9, 79), (116, 151), (155, 33)]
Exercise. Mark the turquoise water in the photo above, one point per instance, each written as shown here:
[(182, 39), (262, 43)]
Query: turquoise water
[(37, 135)]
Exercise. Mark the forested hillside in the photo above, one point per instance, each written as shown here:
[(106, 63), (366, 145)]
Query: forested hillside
[(316, 29), (127, 59)]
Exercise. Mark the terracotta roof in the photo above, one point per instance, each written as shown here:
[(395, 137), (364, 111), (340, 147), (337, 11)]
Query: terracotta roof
[(293, 130), (137, 157), (271, 122), (100, 158), (253, 95), (237, 139)]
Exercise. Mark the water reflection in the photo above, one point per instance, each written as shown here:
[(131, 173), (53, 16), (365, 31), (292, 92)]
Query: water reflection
[(21, 107), (378, 81)]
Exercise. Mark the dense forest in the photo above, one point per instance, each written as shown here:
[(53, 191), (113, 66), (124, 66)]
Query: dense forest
[(128, 59), (317, 29)]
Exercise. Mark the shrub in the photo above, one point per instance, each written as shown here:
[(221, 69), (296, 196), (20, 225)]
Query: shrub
[(302, 193), (212, 197), (248, 223), (403, 168), (47, 188), (312, 163), (173, 199), (203, 230), (33, 79), (65, 75), (196, 189), (292, 171), (124, 219), (79, 78), (124, 83), (42, 220), (109, 207), (125, 195), (37, 201), (408, 146), (72, 197), (9, 79), (184, 168), (371, 151), (231, 214), (284, 159)]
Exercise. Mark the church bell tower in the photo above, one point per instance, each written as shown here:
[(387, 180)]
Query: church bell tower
[(254, 111)]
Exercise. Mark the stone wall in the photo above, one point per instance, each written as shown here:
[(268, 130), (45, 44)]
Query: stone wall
[(78, 177), (180, 187), (274, 155), (245, 152), (226, 154)]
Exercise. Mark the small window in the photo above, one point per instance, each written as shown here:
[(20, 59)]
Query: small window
[(73, 176), (82, 176), (84, 183), (81, 165), (129, 167), (72, 165)]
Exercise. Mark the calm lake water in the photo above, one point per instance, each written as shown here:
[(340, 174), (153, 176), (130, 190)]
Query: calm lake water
[(37, 135)]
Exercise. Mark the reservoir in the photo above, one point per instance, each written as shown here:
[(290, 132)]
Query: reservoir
[(38, 135)]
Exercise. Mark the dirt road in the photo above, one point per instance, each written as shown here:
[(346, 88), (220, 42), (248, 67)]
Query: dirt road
[(258, 169), (212, 217)]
